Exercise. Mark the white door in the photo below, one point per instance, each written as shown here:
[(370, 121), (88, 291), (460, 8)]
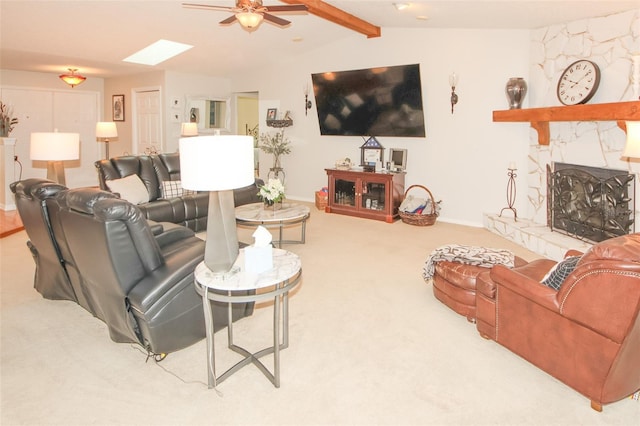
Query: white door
[(148, 122)]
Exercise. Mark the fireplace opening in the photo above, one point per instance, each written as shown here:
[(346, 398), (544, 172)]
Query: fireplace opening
[(590, 203)]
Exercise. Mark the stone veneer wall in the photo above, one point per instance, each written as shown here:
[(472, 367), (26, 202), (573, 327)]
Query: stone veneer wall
[(610, 42)]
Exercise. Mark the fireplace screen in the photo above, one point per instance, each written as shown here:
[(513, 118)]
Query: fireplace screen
[(590, 203)]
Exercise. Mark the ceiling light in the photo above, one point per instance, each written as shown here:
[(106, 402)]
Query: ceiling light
[(158, 52), (249, 20), (72, 79), (401, 6), (422, 18)]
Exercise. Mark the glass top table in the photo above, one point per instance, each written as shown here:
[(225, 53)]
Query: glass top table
[(256, 214), (241, 287)]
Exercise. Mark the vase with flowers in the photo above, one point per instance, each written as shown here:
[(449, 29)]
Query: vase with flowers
[(7, 120), (272, 193)]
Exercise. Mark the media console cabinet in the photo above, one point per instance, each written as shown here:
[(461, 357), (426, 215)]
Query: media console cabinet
[(363, 194)]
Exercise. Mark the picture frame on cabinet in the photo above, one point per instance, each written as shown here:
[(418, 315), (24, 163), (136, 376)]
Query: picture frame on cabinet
[(272, 113), (117, 107)]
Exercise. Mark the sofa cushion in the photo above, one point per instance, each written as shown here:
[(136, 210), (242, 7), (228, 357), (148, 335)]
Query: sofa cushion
[(173, 189), (560, 271), (130, 188)]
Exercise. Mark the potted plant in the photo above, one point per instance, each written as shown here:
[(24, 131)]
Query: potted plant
[(7, 121), (272, 193), (276, 144)]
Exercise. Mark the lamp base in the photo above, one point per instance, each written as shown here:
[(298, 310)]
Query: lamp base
[(221, 247), (55, 172)]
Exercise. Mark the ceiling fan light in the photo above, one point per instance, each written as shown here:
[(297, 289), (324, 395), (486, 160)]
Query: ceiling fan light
[(72, 79), (249, 20)]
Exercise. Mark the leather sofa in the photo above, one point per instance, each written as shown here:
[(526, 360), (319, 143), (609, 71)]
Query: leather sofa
[(135, 275), (587, 333), (186, 209)]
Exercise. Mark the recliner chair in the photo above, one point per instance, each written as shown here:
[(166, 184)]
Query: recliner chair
[(139, 283), (587, 333), (51, 278)]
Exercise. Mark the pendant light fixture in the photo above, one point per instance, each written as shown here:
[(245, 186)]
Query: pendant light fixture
[(72, 79)]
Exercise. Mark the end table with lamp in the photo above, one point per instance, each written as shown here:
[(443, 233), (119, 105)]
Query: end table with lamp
[(274, 283)]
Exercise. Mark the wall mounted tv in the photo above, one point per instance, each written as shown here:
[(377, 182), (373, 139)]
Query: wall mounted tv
[(384, 101)]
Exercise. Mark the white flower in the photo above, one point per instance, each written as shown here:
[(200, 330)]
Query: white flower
[(272, 191)]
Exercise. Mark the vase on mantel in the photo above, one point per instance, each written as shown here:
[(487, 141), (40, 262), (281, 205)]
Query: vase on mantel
[(516, 90)]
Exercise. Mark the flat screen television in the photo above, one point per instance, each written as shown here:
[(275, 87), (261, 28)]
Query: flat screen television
[(384, 101)]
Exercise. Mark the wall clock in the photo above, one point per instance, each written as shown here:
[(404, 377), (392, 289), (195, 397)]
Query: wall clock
[(578, 83)]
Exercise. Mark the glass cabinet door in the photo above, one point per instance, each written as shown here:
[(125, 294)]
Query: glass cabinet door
[(373, 195), (345, 192)]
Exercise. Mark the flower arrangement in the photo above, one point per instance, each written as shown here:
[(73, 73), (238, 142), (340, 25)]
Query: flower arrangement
[(276, 144), (272, 192), (7, 121)]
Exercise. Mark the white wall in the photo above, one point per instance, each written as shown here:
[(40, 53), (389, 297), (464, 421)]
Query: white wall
[(463, 159)]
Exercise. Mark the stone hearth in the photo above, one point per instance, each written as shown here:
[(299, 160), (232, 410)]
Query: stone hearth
[(533, 236)]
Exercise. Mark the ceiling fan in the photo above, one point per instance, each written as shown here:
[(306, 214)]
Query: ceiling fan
[(250, 13)]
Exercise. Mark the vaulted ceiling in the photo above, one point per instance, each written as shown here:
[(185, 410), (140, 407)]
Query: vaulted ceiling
[(94, 36)]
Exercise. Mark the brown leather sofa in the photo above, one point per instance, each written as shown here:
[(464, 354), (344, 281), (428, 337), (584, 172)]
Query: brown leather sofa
[(587, 333), (190, 210)]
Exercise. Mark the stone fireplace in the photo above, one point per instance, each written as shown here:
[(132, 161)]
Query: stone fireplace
[(590, 203)]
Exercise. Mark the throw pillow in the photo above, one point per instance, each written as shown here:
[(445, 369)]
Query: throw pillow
[(556, 276), (173, 189), (130, 188)]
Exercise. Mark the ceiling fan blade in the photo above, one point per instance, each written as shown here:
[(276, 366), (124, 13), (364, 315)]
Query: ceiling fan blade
[(287, 8), (230, 20), (207, 7), (275, 20)]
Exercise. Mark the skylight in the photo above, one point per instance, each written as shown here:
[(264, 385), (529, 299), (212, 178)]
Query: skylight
[(158, 52)]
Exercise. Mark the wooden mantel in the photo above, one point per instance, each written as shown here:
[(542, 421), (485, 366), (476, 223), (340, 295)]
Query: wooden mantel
[(540, 117)]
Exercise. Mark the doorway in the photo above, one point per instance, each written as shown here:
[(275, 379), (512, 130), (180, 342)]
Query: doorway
[(147, 122)]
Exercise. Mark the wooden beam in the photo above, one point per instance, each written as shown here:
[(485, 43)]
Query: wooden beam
[(338, 16)]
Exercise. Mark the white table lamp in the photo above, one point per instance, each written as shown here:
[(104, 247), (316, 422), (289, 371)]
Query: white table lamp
[(55, 148), (632, 147), (104, 131), (218, 164)]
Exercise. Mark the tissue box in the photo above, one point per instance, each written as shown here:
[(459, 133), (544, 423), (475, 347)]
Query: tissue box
[(258, 259)]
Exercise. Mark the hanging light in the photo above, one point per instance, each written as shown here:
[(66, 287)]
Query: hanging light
[(249, 20), (72, 79)]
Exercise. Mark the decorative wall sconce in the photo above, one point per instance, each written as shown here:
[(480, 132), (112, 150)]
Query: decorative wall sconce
[(453, 82), (72, 79), (307, 102), (189, 129)]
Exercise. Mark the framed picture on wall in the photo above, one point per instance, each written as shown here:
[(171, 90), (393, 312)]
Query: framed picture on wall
[(117, 105)]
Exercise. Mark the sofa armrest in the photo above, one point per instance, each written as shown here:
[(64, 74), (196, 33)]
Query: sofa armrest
[(169, 279), (518, 281), (172, 233)]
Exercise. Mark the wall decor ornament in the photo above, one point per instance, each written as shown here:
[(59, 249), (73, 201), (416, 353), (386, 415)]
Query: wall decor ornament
[(117, 105), (516, 90)]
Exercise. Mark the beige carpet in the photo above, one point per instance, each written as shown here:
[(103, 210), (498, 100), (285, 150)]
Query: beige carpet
[(369, 344)]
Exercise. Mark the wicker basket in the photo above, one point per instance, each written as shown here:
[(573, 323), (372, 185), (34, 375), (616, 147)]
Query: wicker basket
[(322, 199), (420, 219)]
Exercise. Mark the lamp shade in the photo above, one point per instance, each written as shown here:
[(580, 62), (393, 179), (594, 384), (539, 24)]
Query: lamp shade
[(249, 20), (189, 129), (632, 147), (216, 163), (55, 146), (106, 129)]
